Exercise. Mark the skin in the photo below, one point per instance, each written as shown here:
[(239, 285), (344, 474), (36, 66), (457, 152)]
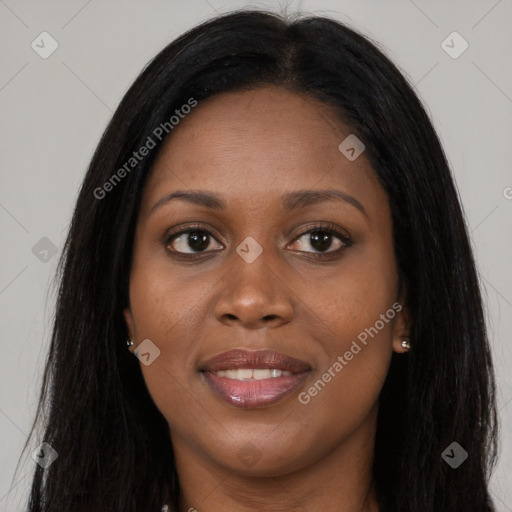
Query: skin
[(251, 148)]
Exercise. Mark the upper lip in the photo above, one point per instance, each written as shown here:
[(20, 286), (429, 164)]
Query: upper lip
[(238, 358)]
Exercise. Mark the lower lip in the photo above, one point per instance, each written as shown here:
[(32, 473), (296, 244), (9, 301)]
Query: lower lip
[(248, 394)]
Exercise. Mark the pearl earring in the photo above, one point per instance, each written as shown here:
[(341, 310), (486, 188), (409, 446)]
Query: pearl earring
[(406, 345), (129, 343)]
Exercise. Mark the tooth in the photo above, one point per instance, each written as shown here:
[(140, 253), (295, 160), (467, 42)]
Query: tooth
[(260, 374), (252, 373), (243, 374)]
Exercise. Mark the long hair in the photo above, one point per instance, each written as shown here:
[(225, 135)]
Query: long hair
[(113, 443)]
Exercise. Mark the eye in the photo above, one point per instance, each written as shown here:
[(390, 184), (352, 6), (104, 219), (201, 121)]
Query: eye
[(192, 240), (323, 238)]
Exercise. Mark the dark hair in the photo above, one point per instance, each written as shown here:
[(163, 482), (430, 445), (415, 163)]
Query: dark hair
[(113, 443)]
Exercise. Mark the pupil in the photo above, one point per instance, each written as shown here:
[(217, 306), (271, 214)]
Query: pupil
[(198, 240), (320, 242)]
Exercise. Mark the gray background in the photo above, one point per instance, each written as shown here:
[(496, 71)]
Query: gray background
[(54, 110)]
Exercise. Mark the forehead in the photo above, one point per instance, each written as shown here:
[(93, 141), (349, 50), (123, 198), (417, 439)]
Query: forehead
[(257, 145)]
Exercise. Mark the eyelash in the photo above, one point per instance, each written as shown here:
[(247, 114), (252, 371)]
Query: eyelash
[(322, 227)]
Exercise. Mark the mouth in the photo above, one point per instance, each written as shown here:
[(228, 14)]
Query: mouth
[(254, 379)]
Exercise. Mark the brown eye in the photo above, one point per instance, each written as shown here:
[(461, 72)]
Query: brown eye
[(322, 240), (190, 241)]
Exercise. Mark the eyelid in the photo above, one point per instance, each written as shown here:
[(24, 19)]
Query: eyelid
[(331, 229), (183, 229), (322, 226), (328, 227)]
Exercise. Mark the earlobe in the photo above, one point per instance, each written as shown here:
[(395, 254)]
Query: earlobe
[(402, 329), (128, 318), (403, 346)]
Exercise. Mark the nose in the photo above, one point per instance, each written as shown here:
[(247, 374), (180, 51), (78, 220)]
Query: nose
[(254, 295)]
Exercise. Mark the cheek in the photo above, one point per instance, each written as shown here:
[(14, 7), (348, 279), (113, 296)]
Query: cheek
[(166, 317), (169, 309), (168, 313), (357, 309), (355, 296), (347, 383), (163, 301)]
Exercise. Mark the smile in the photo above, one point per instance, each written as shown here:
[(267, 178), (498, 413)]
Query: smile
[(252, 373), (253, 379)]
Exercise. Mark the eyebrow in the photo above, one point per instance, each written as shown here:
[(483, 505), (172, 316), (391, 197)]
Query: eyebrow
[(291, 201)]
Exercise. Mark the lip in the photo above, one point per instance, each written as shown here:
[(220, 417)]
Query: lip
[(254, 393), (238, 358)]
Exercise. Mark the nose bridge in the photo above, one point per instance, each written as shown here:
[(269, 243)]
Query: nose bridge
[(253, 291)]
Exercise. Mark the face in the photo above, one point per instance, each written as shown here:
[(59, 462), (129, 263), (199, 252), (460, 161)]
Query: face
[(270, 262)]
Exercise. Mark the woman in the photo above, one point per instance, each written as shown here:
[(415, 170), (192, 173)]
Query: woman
[(268, 298)]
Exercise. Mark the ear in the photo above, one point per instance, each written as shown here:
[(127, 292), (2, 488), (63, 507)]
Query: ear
[(130, 325), (402, 324)]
